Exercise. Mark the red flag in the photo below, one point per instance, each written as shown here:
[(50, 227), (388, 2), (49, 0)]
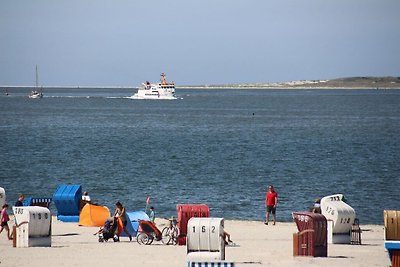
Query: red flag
[(148, 200)]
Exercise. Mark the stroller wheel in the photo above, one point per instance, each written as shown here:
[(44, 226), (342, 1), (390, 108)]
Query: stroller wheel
[(143, 238), (116, 239), (101, 239)]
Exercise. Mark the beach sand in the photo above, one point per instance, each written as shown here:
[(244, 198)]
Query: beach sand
[(256, 245)]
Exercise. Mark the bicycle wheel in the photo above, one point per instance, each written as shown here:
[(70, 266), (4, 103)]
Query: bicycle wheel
[(174, 235), (143, 238), (150, 240), (165, 236)]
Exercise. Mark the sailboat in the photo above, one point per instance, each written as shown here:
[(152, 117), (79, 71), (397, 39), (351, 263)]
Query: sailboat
[(36, 93)]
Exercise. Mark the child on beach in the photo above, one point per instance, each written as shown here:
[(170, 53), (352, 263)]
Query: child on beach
[(4, 220), (152, 215)]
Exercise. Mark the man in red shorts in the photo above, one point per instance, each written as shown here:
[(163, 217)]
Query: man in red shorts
[(271, 200)]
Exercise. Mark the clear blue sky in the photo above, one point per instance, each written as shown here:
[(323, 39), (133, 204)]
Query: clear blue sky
[(124, 42)]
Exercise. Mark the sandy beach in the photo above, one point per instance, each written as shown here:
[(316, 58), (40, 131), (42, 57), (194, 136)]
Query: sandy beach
[(256, 244)]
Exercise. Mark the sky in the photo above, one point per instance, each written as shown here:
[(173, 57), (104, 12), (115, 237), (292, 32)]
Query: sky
[(125, 42)]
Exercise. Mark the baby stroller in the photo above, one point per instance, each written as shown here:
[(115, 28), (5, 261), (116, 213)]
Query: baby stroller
[(108, 230), (148, 231)]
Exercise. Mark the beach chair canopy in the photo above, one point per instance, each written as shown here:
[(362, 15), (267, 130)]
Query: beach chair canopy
[(2, 196), (67, 199)]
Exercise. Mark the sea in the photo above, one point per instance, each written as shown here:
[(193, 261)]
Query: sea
[(220, 147)]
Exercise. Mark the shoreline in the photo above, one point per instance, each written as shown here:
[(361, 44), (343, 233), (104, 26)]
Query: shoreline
[(255, 244), (285, 88)]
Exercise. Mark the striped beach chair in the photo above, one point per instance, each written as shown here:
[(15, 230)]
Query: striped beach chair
[(211, 264)]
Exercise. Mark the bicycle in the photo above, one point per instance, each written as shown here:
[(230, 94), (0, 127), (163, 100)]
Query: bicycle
[(170, 233)]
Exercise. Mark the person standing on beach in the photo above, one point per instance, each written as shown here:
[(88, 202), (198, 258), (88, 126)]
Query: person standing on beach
[(271, 200), (121, 214)]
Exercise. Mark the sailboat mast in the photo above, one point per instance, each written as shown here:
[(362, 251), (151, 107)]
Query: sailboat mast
[(37, 82)]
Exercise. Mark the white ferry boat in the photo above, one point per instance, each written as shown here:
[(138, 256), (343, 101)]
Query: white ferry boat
[(161, 90)]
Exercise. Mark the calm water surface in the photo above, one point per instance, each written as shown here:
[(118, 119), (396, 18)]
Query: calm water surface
[(218, 147)]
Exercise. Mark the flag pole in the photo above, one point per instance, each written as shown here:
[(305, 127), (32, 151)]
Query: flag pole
[(147, 203)]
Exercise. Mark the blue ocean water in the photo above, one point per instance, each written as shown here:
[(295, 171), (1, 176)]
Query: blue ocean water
[(218, 147)]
